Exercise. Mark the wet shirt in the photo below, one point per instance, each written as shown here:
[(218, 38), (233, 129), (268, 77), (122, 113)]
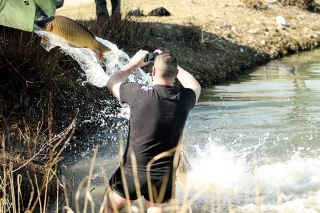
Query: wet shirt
[(157, 117)]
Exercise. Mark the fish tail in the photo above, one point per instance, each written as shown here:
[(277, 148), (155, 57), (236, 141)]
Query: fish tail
[(102, 48), (100, 55), (44, 41)]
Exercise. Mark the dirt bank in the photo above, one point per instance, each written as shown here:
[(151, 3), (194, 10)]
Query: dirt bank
[(226, 38)]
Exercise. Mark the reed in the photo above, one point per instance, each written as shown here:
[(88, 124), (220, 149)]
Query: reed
[(174, 206), (29, 158), (11, 198), (139, 207)]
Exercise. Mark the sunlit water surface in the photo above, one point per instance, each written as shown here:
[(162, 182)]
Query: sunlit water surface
[(252, 144)]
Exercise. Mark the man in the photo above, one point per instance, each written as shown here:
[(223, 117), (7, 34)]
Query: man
[(102, 11), (158, 115)]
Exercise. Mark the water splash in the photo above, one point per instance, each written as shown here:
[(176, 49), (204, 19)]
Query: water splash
[(97, 72), (228, 179)]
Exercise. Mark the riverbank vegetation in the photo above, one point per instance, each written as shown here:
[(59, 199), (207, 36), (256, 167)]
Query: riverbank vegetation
[(44, 102)]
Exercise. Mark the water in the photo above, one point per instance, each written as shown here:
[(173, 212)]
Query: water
[(252, 144)]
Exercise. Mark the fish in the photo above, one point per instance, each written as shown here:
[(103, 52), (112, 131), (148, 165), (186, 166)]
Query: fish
[(73, 32)]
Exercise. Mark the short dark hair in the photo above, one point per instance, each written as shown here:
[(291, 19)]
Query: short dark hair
[(167, 64)]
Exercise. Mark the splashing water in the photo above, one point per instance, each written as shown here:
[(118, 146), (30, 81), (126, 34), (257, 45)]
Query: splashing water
[(221, 179), (97, 72)]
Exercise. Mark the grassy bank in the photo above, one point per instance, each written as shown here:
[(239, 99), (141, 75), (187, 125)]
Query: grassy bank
[(216, 40), (43, 101)]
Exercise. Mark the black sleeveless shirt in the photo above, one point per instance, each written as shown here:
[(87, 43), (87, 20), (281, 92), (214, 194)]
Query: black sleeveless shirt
[(157, 117)]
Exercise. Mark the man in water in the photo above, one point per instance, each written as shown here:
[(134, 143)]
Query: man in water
[(158, 116)]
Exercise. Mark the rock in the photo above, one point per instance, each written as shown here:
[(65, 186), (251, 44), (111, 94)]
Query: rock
[(135, 12), (160, 11), (253, 31), (226, 24), (282, 21)]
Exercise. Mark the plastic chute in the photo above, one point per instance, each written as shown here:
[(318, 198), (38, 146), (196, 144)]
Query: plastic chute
[(20, 14)]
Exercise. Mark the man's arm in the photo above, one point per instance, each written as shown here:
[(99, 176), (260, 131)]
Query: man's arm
[(118, 77), (188, 81)]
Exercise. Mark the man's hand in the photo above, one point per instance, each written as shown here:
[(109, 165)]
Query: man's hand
[(138, 59), (188, 81), (118, 77)]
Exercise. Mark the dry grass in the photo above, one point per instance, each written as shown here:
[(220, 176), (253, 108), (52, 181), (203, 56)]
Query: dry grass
[(29, 73), (84, 200), (29, 158), (40, 94)]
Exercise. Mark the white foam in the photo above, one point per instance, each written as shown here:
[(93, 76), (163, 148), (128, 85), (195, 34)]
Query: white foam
[(229, 178)]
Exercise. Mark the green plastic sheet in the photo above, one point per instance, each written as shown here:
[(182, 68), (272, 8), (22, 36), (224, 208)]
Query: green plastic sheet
[(20, 14)]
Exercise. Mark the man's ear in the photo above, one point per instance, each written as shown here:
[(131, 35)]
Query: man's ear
[(153, 71), (177, 72)]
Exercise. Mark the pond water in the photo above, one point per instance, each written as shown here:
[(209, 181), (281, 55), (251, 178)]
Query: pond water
[(252, 144)]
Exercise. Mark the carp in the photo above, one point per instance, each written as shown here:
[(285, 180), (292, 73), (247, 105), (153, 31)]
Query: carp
[(73, 32)]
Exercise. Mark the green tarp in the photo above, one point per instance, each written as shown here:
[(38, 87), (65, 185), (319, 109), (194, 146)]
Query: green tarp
[(20, 14)]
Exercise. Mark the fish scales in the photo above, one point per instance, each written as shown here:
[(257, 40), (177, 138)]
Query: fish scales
[(73, 32)]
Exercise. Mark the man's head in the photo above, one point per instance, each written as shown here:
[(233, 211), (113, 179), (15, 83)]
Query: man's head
[(165, 66)]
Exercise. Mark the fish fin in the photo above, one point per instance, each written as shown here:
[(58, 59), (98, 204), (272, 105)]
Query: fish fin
[(100, 55), (71, 45), (44, 41), (108, 49), (49, 27), (103, 48)]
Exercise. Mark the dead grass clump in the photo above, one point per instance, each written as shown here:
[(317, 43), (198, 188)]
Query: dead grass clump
[(255, 4), (29, 73), (198, 51), (303, 4), (126, 33), (29, 156), (35, 126), (263, 4)]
